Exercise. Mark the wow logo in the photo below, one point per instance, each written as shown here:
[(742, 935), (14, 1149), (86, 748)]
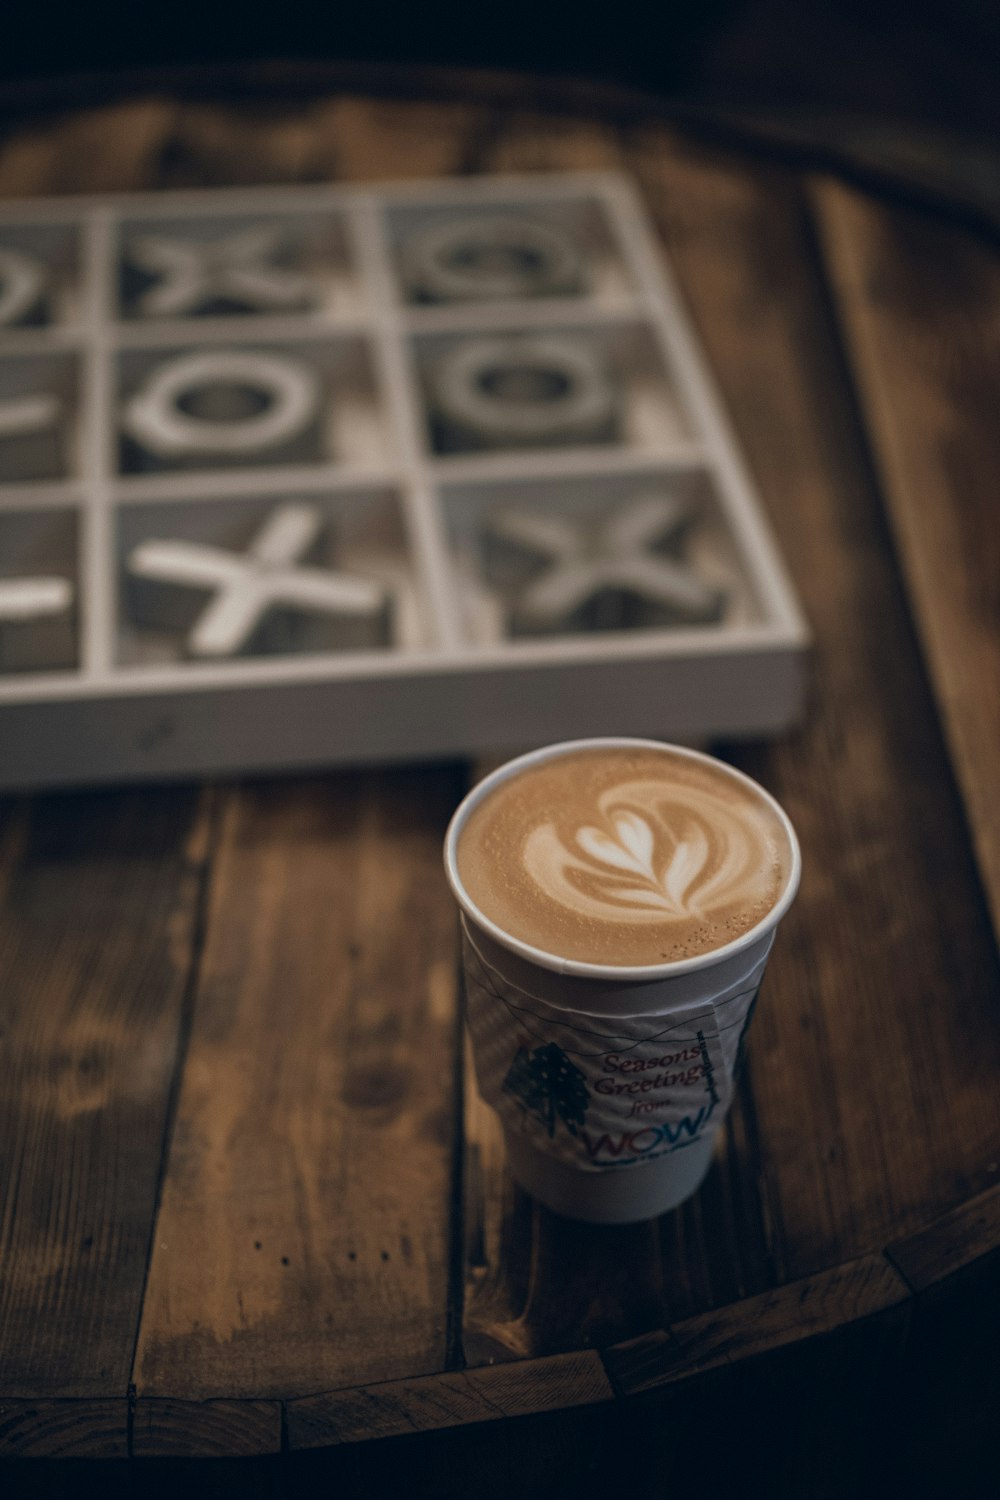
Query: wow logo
[(651, 1140)]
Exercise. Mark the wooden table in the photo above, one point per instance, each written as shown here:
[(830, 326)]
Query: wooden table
[(251, 1206)]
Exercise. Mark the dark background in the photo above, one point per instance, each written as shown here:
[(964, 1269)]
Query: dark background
[(924, 61)]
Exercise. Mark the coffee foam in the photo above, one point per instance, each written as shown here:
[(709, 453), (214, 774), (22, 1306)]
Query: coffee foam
[(624, 856)]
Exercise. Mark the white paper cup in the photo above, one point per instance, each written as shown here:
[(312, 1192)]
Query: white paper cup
[(610, 1082)]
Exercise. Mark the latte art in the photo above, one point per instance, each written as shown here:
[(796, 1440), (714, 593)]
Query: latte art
[(627, 856), (650, 858)]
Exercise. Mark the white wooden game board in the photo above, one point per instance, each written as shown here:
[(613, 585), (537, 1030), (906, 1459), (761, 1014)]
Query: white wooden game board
[(318, 476)]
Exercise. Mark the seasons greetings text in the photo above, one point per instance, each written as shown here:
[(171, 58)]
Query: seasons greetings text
[(673, 1070)]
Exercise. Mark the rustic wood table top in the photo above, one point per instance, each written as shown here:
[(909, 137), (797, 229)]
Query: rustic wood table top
[(250, 1203)]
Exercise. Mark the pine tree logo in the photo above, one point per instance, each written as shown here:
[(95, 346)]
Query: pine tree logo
[(549, 1086)]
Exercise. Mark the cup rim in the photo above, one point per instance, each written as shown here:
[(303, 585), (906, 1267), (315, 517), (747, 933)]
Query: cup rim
[(614, 973)]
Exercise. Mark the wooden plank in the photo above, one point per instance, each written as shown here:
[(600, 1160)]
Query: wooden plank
[(789, 1314), (228, 145), (205, 1429), (951, 1243), (368, 140), (919, 305), (154, 142), (303, 1240), (63, 1429), (111, 149), (99, 902), (874, 1064), (451, 1399)]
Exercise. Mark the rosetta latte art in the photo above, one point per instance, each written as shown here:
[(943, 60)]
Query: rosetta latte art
[(648, 857), (624, 855)]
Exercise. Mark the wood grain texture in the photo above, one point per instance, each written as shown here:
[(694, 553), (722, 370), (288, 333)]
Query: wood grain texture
[(99, 899), (451, 1399), (919, 306), (868, 1121), (63, 1429), (955, 1241), (303, 1240), (800, 1310), (205, 1429)]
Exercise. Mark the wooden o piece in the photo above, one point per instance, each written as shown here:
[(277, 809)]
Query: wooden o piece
[(490, 257), (523, 391), (22, 283), (219, 419)]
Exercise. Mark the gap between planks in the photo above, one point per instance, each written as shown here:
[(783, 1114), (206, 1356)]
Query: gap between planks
[(202, 846)]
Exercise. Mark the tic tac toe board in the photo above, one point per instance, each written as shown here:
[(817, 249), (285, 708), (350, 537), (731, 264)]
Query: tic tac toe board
[(319, 476)]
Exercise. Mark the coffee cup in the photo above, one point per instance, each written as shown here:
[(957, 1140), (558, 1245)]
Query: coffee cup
[(619, 899)]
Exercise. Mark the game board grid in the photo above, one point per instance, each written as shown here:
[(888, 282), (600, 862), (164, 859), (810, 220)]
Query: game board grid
[(392, 329)]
